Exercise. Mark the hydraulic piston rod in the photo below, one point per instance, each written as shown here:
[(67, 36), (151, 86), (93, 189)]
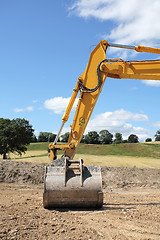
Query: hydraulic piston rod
[(138, 48)]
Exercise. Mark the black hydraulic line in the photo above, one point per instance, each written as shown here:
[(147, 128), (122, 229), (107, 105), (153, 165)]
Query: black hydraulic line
[(90, 90)]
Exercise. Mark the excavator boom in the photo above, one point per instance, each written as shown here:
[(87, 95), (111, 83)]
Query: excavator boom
[(71, 184)]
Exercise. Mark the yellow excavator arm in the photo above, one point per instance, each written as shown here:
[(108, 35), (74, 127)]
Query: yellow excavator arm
[(90, 84), (68, 183)]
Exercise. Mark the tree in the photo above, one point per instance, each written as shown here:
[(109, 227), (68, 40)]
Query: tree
[(157, 136), (65, 137), (43, 137), (92, 138), (105, 137), (148, 140), (132, 139), (118, 138), (15, 135), (83, 139), (46, 137), (34, 139)]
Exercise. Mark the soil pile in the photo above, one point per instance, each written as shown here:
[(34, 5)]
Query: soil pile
[(130, 177), (27, 172), (21, 172)]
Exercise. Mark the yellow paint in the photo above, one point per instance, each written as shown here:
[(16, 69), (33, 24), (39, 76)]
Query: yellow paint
[(149, 70)]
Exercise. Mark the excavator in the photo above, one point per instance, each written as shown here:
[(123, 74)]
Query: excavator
[(67, 182)]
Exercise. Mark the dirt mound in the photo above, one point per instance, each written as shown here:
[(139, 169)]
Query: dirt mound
[(21, 172), (131, 177), (27, 172)]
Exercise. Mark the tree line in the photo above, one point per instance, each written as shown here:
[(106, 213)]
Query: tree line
[(16, 134), (93, 137)]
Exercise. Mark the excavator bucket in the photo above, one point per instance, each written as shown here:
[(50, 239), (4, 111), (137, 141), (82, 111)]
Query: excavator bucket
[(72, 185)]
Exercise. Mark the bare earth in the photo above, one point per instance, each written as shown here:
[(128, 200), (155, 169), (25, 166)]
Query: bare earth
[(131, 207)]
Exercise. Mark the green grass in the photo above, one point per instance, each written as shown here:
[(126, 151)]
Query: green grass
[(40, 146), (124, 149)]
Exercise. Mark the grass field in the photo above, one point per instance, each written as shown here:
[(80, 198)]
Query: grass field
[(125, 149), (126, 155)]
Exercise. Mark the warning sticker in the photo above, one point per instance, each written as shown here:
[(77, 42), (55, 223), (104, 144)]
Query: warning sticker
[(81, 121)]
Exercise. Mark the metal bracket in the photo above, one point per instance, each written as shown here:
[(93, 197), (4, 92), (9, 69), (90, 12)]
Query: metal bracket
[(76, 166)]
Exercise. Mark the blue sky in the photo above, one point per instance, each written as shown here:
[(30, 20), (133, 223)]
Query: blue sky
[(45, 46)]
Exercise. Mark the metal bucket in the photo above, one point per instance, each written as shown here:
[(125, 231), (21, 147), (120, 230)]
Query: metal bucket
[(73, 185)]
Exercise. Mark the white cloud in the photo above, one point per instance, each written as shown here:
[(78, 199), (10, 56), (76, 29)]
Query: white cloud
[(135, 21), (36, 132), (155, 124), (119, 121), (154, 83), (18, 110), (28, 109), (58, 104), (34, 101)]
